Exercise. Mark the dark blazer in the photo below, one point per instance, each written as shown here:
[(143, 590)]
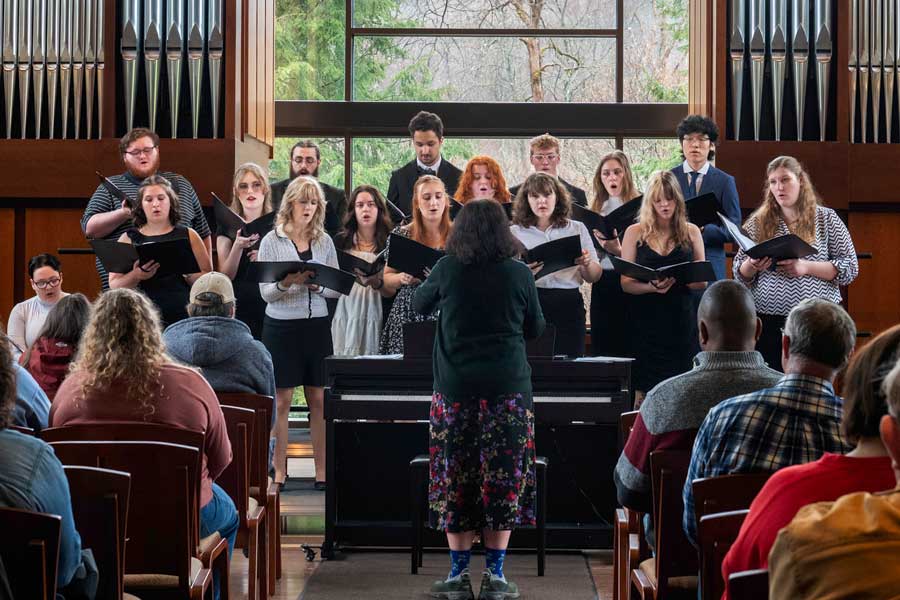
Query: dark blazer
[(715, 237), (578, 195), (335, 204), (403, 179)]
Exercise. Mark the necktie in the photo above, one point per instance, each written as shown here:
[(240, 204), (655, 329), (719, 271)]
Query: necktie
[(694, 176), (425, 171)]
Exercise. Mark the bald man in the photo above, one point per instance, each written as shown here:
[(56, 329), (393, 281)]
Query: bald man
[(672, 412)]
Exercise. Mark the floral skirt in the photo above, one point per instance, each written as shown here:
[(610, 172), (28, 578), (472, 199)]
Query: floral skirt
[(482, 463)]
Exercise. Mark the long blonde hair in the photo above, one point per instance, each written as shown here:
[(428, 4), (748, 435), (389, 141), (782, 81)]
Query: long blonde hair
[(122, 349), (258, 172), (629, 191), (769, 212), (417, 227), (663, 184), (302, 188)]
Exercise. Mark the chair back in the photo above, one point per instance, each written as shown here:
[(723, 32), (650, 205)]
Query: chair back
[(29, 549), (162, 509), (626, 424), (264, 407), (235, 478), (715, 534), (100, 506), (675, 555), (726, 492), (20, 429), (749, 585), (131, 431)]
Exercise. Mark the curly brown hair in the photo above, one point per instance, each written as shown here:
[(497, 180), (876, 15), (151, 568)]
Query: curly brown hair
[(541, 184), (123, 347), (7, 384)]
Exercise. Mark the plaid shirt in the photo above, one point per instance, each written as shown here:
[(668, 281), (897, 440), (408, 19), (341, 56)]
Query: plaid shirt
[(793, 423)]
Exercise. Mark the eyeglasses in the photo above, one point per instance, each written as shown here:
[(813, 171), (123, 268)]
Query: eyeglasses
[(43, 284), (695, 139), (145, 151), (255, 186), (542, 157)]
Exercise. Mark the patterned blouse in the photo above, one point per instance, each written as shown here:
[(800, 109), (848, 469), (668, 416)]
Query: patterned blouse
[(776, 294)]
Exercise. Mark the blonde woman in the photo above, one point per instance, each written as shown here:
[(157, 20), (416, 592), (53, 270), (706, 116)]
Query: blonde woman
[(791, 205), (159, 391), (296, 328), (430, 226), (613, 187), (156, 220), (251, 199), (662, 311)]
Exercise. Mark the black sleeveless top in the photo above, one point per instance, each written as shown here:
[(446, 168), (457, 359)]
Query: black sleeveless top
[(170, 293), (251, 308)]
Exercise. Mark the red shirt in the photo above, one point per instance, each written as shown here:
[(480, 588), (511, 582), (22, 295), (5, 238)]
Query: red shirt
[(790, 489)]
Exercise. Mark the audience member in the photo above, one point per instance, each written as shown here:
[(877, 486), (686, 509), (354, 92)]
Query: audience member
[(427, 132), (48, 358), (866, 468), (27, 318), (791, 423), (306, 159), (545, 155), (122, 350), (849, 548), (32, 478), (107, 218)]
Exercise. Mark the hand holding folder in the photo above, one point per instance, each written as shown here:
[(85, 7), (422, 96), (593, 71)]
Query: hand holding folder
[(323, 275), (777, 248), (411, 257), (116, 191), (612, 225), (555, 255), (175, 257), (686, 272), (350, 263), (229, 223)]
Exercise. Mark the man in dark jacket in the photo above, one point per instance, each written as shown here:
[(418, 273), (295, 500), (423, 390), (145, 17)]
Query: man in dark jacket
[(306, 160)]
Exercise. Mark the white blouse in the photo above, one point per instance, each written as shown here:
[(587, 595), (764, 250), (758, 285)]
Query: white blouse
[(566, 278)]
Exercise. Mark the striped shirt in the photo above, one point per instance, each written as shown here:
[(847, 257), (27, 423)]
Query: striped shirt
[(792, 423), (102, 201), (776, 294)]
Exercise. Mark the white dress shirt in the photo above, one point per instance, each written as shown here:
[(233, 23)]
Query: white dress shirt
[(566, 278)]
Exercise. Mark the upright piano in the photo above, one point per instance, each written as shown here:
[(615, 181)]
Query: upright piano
[(376, 414)]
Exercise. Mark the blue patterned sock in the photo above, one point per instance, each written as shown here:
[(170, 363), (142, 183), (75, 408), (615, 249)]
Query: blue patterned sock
[(459, 561), (494, 560)]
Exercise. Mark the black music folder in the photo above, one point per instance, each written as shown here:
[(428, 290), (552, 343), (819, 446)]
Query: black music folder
[(455, 207), (556, 255), (686, 272), (409, 256), (116, 192), (175, 257), (777, 248), (617, 220), (325, 276), (703, 209), (229, 222), (348, 262)]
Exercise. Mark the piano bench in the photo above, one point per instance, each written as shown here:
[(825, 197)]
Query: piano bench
[(419, 468)]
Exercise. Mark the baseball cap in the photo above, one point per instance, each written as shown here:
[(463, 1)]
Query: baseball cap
[(213, 283)]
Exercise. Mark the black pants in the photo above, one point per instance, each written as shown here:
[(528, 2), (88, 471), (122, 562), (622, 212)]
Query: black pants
[(609, 320), (564, 309), (769, 343)]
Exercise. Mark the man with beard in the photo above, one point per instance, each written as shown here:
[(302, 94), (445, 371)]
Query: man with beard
[(305, 160), (107, 218), (427, 132)]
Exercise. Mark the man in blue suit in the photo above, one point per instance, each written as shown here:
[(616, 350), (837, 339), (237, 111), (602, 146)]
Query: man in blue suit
[(698, 135)]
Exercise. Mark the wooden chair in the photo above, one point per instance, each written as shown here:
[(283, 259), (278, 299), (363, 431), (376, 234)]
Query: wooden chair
[(29, 549), (749, 585), (629, 546), (716, 533), (235, 481), (261, 486), (673, 571), (160, 557), (20, 429), (212, 550), (100, 506), (726, 492)]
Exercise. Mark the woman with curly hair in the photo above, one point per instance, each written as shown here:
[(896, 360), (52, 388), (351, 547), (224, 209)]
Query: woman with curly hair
[(482, 179), (123, 374), (791, 205)]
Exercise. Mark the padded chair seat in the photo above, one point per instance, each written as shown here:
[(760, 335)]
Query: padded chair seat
[(158, 580), (682, 583), (252, 504), (254, 490), (210, 541), (129, 597)]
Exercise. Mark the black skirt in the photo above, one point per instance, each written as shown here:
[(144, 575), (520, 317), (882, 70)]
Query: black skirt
[(298, 348), (564, 309), (610, 333)]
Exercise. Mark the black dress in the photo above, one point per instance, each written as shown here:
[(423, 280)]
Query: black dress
[(251, 308), (662, 324), (170, 293)]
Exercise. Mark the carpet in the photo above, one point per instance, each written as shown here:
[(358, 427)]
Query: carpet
[(385, 576)]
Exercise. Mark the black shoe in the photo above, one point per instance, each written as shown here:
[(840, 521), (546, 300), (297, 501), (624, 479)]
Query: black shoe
[(320, 486)]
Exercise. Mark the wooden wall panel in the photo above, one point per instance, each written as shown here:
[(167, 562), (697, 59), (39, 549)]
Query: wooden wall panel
[(46, 230), (252, 106), (7, 262), (269, 98), (874, 298)]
